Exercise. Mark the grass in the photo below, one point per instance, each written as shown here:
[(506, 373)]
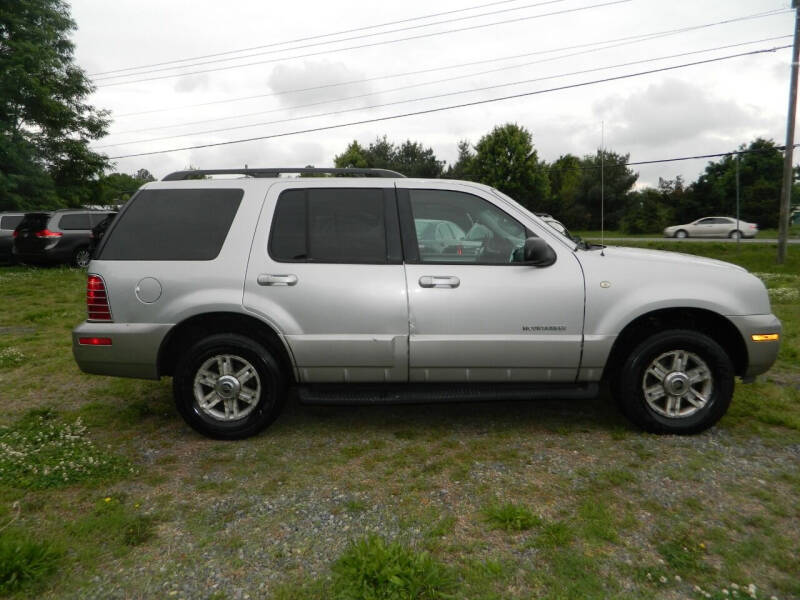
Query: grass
[(510, 517), (25, 564), (507, 500)]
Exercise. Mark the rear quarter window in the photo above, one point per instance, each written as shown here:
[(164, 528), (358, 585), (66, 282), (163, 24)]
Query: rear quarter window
[(179, 224), (76, 221), (10, 221)]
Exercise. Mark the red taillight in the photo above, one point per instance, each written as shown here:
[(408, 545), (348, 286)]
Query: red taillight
[(753, 226), (97, 300), (46, 233), (94, 341), (15, 234)]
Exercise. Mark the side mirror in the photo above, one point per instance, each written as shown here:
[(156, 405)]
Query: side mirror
[(538, 253)]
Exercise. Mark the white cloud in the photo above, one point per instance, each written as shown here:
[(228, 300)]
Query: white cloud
[(289, 76)]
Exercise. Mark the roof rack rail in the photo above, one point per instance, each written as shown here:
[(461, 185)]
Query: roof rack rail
[(276, 172)]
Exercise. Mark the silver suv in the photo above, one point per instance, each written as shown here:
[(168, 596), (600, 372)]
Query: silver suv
[(241, 288)]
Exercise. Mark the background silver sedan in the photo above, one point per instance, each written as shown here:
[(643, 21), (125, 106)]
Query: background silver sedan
[(713, 227)]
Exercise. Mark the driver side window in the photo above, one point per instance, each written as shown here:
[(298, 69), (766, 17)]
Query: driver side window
[(456, 227)]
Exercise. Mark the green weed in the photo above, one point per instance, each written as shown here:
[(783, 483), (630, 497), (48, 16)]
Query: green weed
[(510, 517)]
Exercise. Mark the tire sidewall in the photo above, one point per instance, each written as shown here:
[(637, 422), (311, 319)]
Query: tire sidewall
[(76, 257), (633, 403), (273, 384)]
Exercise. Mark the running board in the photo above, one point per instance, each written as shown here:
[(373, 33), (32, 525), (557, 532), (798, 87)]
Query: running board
[(412, 393)]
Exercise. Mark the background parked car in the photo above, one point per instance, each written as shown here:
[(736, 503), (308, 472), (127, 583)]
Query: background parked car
[(61, 236), (8, 222), (713, 227)]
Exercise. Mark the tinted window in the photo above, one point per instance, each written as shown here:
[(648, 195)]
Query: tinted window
[(173, 225), (343, 225), (99, 217), (705, 222), (10, 222), (459, 227), (34, 221), (76, 221)]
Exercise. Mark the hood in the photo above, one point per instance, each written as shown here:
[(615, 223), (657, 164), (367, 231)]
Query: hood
[(663, 256)]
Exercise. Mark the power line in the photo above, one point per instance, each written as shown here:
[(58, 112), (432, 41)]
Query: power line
[(631, 39), (370, 45), (304, 39), (402, 88), (356, 37), (451, 107), (432, 97)]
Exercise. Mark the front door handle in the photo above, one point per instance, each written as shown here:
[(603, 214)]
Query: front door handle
[(266, 279), (439, 281)]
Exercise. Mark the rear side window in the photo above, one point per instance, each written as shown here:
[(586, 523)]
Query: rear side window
[(339, 225), (10, 222), (76, 221), (34, 221), (182, 224)]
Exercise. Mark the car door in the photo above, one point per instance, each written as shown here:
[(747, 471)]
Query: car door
[(476, 312), (703, 228), (326, 270)]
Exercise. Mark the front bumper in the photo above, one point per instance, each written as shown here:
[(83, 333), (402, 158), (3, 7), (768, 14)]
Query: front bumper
[(760, 355), (133, 351)]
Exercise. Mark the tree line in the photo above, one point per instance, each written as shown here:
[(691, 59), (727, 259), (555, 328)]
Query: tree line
[(569, 188)]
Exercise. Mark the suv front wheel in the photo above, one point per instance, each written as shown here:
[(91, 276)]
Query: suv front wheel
[(228, 386), (677, 381)]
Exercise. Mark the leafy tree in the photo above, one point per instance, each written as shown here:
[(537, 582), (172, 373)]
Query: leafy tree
[(45, 123), (410, 158), (760, 173), (463, 167), (617, 182), (647, 212), (117, 188), (505, 159), (566, 175)]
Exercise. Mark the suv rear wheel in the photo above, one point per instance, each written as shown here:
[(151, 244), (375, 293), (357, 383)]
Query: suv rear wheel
[(228, 386), (677, 381)]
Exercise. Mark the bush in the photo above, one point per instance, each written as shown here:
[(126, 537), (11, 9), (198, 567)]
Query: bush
[(371, 569), (23, 562), (510, 517)]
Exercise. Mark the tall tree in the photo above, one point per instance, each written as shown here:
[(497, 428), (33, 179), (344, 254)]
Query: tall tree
[(611, 189), (117, 188), (463, 167), (45, 123), (410, 158), (760, 172), (506, 159)]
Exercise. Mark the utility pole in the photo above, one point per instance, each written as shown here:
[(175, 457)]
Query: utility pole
[(788, 153)]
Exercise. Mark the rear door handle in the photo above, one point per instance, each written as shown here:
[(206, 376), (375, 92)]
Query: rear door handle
[(439, 281), (266, 279)]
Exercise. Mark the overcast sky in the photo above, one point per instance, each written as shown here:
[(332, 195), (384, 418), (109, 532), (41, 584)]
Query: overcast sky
[(700, 109)]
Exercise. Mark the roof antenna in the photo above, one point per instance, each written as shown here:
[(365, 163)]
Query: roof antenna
[(602, 187)]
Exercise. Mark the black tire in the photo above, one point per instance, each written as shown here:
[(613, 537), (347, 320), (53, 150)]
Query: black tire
[(681, 233), (736, 234), (272, 385), (633, 376), (81, 257)]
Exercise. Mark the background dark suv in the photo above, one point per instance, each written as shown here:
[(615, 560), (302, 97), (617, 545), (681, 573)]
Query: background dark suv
[(61, 236)]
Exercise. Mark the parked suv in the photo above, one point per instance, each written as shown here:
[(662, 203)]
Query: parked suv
[(61, 236), (8, 222), (241, 288)]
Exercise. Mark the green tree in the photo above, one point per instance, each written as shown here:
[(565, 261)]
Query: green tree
[(506, 159), (760, 173), (647, 212), (463, 167), (566, 175), (45, 123), (613, 187), (117, 188), (410, 158)]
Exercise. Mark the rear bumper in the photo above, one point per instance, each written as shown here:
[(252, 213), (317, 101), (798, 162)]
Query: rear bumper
[(760, 355), (133, 351), (48, 256)]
